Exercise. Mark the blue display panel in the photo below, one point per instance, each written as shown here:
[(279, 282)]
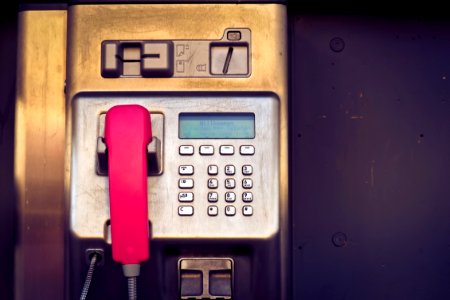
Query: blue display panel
[(216, 125)]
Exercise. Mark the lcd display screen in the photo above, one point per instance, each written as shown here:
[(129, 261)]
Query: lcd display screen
[(216, 125)]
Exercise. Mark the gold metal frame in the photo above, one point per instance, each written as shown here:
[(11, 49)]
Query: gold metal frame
[(39, 154)]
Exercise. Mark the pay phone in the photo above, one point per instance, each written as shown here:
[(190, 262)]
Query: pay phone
[(177, 118)]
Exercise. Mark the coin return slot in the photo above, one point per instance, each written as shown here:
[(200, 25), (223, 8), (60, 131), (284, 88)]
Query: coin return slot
[(205, 278), (220, 283), (191, 283)]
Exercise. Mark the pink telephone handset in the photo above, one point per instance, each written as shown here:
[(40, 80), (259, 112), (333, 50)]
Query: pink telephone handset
[(127, 133)]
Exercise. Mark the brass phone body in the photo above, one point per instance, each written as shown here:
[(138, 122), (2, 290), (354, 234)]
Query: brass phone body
[(40, 93)]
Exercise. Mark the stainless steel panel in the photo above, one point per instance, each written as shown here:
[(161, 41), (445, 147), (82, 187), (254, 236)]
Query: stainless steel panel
[(89, 208)]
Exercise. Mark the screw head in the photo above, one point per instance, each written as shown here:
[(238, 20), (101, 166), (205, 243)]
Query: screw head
[(337, 44), (339, 239)]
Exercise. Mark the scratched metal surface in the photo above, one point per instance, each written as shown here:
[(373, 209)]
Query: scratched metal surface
[(370, 160)]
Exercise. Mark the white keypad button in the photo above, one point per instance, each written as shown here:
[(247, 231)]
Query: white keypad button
[(213, 197), (230, 210), (247, 183), (213, 170), (230, 170), (247, 170), (247, 150), (186, 183), (247, 197), (230, 183), (213, 210), (230, 197), (226, 150), (247, 210), (186, 197), (213, 183), (186, 170), (185, 210), (186, 150), (206, 150)]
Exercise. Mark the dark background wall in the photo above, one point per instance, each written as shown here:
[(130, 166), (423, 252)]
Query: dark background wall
[(370, 148), (370, 157), (8, 41)]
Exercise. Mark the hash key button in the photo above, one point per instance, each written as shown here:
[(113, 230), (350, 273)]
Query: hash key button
[(247, 210)]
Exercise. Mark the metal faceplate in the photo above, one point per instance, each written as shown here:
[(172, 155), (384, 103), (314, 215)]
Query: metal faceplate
[(89, 205)]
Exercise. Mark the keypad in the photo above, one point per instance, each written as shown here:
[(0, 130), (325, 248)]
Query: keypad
[(230, 183), (247, 210), (185, 210), (213, 170), (213, 210), (206, 150), (186, 150), (186, 170), (186, 183), (230, 210), (228, 193), (247, 197), (247, 150), (226, 150), (230, 170), (247, 183), (186, 197), (247, 170), (230, 197), (213, 183), (213, 197)]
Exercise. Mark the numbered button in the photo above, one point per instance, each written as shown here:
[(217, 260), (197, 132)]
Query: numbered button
[(247, 183), (247, 170), (186, 150), (186, 197), (213, 170), (213, 210), (247, 197), (230, 210), (185, 210), (247, 210), (230, 170), (186, 170), (230, 183), (230, 197), (247, 150), (226, 150), (213, 183), (206, 150), (186, 183), (213, 197)]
